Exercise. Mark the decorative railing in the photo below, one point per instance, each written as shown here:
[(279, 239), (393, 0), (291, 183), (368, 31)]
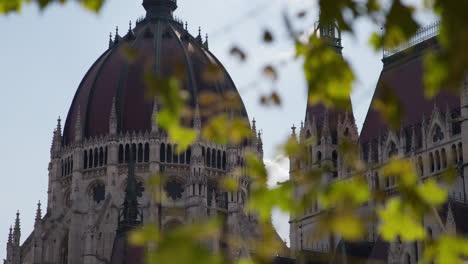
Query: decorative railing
[(421, 35)]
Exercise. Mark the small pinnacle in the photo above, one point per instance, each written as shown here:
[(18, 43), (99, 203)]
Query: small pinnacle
[(206, 37), (116, 30), (186, 25), (293, 128), (130, 25), (199, 31)]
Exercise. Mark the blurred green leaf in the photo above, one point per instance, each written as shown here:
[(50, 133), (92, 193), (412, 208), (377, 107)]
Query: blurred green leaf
[(398, 220)]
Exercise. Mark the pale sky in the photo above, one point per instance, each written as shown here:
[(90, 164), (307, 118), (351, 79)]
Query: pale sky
[(44, 55)]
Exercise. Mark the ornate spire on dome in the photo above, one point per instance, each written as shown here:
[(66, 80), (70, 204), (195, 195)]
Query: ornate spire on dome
[(159, 8), (197, 119), (154, 125), (110, 40), (113, 119)]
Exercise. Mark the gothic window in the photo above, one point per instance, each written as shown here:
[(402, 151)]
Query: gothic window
[(182, 157), (335, 163), (127, 153), (408, 259), (175, 157), (71, 164), (392, 149), (218, 159), (224, 160), (208, 157), (169, 153), (174, 189), (121, 153), (319, 158), (98, 192), (438, 135), (189, 155), (454, 155), (213, 158), (376, 181), (105, 156), (162, 153), (101, 156), (140, 153), (85, 160), (460, 152), (444, 158), (308, 134), (134, 152), (203, 155), (96, 158), (346, 132), (64, 250), (437, 157), (420, 166), (90, 163), (146, 154), (63, 168), (431, 160)]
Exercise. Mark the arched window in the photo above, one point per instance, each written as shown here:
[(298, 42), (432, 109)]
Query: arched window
[(444, 158), (392, 149), (189, 155), (213, 158), (134, 152), (63, 168), (407, 259), (105, 156), (146, 154), (437, 156), (182, 157), (420, 166), (85, 160), (101, 156), (96, 158), (203, 155), (224, 160), (218, 159), (175, 157), (308, 134), (162, 153), (319, 158), (127, 153), (431, 160), (64, 250), (140, 153), (169, 153), (335, 163), (437, 135), (460, 152), (454, 155), (71, 164), (208, 157), (121, 153), (90, 163), (376, 181)]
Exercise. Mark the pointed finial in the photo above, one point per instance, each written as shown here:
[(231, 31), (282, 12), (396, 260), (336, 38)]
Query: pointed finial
[(129, 25), (254, 125), (199, 31), (110, 40), (186, 25), (116, 37), (197, 118), (38, 212), (10, 235), (293, 128)]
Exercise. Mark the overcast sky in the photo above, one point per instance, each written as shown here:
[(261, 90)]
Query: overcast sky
[(44, 55)]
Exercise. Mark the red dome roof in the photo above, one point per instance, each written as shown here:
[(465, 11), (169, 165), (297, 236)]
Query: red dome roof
[(164, 47)]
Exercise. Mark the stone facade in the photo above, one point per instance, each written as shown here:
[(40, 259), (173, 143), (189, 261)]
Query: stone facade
[(435, 141)]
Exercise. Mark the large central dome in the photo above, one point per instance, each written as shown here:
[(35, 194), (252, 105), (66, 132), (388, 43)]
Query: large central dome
[(160, 44)]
